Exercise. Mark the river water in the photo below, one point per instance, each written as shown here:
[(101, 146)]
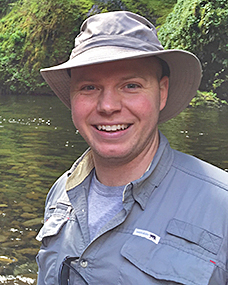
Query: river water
[(39, 142)]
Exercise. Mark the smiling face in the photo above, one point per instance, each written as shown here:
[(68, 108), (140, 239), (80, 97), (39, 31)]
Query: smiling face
[(115, 106)]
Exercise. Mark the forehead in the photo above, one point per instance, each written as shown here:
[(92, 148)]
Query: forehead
[(127, 67)]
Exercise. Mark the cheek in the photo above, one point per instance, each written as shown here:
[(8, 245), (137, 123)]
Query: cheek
[(79, 111), (146, 107), (75, 117)]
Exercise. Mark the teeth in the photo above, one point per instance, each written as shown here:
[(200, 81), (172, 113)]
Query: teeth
[(112, 128)]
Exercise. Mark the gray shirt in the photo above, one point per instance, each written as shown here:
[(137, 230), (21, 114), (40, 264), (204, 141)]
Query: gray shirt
[(104, 202), (173, 228)]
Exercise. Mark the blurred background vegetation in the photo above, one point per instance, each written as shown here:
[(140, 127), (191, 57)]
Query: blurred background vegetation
[(40, 33)]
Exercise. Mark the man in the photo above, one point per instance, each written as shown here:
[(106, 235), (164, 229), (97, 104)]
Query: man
[(131, 210)]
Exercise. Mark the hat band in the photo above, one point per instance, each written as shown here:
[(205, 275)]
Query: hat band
[(114, 40)]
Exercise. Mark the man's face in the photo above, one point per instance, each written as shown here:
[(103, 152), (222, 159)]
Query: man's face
[(115, 106)]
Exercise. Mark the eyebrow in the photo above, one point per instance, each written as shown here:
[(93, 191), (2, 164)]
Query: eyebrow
[(131, 77), (86, 80), (94, 80)]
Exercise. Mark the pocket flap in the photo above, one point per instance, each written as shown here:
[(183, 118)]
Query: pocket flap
[(55, 222), (194, 234), (167, 263), (51, 227)]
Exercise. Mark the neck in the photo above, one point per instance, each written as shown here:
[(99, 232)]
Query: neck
[(111, 172)]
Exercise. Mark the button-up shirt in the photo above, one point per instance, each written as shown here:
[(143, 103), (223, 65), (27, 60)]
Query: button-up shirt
[(173, 228)]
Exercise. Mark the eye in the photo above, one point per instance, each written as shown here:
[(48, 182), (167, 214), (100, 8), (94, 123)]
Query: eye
[(132, 86), (88, 87)]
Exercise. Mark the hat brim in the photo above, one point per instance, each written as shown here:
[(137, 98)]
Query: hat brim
[(185, 74)]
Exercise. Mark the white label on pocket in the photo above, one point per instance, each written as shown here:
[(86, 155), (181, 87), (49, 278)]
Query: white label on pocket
[(146, 234)]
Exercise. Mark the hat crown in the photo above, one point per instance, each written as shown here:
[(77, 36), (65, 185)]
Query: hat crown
[(124, 29)]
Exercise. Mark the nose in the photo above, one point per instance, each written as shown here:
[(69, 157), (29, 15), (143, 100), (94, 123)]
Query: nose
[(109, 101)]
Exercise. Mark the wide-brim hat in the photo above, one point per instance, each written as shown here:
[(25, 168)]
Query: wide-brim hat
[(123, 35)]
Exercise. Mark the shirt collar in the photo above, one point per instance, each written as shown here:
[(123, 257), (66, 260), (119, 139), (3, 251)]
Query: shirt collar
[(80, 170), (142, 187)]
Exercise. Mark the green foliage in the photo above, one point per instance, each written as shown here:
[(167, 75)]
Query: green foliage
[(40, 33), (202, 27), (5, 6), (208, 99), (154, 10), (36, 34)]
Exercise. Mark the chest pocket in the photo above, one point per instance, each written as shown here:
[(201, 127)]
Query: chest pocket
[(57, 218), (185, 256)]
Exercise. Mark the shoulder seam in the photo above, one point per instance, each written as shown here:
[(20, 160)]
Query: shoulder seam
[(202, 177)]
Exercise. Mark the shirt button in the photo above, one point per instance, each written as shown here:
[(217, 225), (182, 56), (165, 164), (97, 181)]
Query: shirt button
[(84, 263)]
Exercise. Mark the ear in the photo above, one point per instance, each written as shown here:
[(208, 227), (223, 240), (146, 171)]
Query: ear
[(164, 90)]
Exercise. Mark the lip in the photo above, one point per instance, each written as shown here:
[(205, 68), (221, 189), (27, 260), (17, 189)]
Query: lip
[(112, 128), (106, 130)]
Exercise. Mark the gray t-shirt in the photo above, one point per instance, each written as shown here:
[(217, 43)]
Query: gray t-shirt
[(104, 202)]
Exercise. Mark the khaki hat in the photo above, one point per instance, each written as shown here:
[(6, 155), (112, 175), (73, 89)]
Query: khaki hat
[(124, 35)]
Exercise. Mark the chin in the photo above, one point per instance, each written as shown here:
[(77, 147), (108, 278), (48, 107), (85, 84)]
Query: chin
[(114, 156)]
